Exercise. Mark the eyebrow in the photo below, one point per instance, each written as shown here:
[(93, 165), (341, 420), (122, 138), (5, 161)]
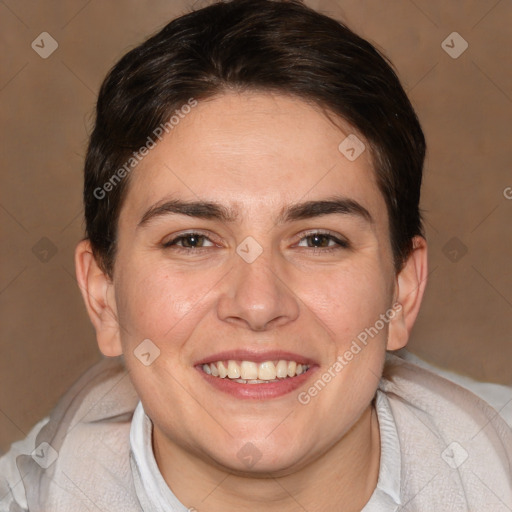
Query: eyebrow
[(299, 211)]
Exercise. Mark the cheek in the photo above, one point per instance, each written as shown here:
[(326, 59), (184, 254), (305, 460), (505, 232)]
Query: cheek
[(348, 301), (159, 303)]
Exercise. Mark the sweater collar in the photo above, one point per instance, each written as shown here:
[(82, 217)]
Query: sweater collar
[(155, 495)]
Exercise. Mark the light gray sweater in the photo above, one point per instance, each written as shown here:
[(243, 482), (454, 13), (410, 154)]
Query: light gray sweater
[(456, 451)]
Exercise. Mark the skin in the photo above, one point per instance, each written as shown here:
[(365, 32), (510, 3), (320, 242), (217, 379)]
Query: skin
[(256, 153)]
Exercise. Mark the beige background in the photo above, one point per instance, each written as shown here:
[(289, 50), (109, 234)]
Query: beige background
[(465, 107)]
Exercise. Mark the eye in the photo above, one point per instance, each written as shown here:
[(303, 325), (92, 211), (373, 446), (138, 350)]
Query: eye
[(189, 241), (321, 240), (192, 241)]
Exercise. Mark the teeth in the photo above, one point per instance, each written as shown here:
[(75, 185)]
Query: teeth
[(249, 372), (255, 381), (267, 371), (282, 369), (233, 370), (222, 370)]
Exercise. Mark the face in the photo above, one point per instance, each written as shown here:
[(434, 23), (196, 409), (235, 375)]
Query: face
[(285, 255)]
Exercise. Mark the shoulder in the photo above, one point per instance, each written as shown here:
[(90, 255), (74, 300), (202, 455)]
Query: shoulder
[(454, 446), (12, 492), (82, 444)]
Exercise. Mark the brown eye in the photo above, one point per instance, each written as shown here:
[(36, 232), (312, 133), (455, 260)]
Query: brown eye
[(318, 240), (189, 241), (323, 240)]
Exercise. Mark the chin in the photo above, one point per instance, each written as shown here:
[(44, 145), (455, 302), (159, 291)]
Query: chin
[(261, 457), (262, 466)]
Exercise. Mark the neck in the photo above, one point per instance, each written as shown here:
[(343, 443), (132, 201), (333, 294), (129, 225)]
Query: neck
[(343, 478)]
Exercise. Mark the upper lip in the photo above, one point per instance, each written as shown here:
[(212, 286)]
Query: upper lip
[(256, 356)]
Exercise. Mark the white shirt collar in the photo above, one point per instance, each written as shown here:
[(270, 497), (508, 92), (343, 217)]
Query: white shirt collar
[(155, 495), (152, 490), (386, 496)]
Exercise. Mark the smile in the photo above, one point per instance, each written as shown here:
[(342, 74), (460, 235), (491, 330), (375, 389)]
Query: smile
[(250, 372), (257, 376)]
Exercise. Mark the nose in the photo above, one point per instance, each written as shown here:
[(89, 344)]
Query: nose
[(257, 296)]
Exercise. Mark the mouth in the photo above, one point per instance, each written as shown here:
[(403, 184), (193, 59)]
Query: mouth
[(256, 376), (250, 372)]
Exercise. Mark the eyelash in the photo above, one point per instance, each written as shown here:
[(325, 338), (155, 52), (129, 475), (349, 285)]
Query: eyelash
[(341, 244)]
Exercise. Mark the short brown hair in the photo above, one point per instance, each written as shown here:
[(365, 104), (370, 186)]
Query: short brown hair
[(264, 45)]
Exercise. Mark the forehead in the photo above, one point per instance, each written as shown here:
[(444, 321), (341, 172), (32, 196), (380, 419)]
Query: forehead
[(256, 150)]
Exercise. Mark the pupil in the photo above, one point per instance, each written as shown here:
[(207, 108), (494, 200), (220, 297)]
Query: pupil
[(318, 239), (192, 240)]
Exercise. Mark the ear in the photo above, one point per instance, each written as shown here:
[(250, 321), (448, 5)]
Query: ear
[(409, 288), (98, 293)]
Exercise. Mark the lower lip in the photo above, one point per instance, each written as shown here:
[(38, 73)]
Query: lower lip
[(263, 391)]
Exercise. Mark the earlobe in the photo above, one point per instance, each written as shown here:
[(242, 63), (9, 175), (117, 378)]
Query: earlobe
[(97, 291), (410, 286)]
